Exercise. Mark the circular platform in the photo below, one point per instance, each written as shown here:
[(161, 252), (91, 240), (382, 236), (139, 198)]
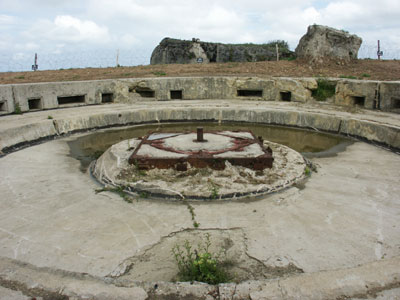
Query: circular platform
[(194, 183)]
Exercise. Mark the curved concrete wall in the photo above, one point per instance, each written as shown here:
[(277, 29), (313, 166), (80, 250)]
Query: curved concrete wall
[(39, 96), (387, 134)]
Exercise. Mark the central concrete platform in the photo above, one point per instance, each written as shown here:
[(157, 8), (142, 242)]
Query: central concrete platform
[(181, 150)]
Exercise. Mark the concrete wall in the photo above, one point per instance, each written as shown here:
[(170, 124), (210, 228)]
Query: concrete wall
[(29, 97)]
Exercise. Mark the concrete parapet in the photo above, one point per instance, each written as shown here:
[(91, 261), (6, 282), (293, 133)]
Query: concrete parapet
[(41, 96)]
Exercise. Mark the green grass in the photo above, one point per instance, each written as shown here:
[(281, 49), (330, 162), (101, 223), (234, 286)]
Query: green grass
[(348, 76), (160, 73), (17, 109), (324, 90)]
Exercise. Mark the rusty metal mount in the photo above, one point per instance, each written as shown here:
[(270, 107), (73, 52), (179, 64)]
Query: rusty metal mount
[(201, 158)]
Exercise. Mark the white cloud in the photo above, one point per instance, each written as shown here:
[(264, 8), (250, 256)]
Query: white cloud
[(69, 29), (7, 20), (137, 26)]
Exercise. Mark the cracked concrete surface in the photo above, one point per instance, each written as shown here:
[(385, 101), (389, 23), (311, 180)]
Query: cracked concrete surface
[(346, 216)]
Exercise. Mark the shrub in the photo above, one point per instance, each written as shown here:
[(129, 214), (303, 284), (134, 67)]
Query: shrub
[(199, 264), (324, 90)]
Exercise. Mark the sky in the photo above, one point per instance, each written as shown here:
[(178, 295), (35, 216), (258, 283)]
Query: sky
[(92, 33)]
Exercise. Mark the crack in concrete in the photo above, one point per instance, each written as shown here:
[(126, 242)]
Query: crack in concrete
[(126, 268), (32, 291)]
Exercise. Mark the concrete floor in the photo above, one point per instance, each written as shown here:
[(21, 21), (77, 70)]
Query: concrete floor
[(341, 228), (348, 214)]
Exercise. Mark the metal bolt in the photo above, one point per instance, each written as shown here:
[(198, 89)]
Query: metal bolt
[(200, 134)]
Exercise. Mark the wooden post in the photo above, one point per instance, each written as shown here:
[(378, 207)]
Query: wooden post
[(277, 52)]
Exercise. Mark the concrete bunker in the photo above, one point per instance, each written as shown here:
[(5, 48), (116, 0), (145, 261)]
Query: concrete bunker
[(249, 93), (35, 104), (65, 100)]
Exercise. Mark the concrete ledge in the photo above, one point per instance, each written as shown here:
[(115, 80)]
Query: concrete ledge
[(382, 129), (363, 281)]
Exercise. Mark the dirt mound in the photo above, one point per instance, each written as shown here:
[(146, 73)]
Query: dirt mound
[(361, 69)]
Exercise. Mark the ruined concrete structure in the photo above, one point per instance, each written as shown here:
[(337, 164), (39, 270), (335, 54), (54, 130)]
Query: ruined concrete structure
[(174, 51), (322, 42), (380, 95)]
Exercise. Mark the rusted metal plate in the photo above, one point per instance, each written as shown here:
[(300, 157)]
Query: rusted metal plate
[(165, 157)]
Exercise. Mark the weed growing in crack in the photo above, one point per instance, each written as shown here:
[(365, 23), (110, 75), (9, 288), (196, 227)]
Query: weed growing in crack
[(120, 190), (214, 189), (307, 171), (17, 109), (200, 264), (192, 214)]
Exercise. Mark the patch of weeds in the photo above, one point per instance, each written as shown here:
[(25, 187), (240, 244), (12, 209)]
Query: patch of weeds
[(192, 214), (160, 73), (17, 109), (138, 171), (128, 74), (75, 77), (20, 77), (324, 90), (365, 75), (307, 171), (200, 264), (50, 117), (214, 189), (120, 190), (348, 76), (144, 195)]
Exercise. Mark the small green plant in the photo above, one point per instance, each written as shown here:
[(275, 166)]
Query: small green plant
[(159, 73), (50, 117), (192, 214), (120, 190), (143, 195), (365, 75), (199, 264), (348, 76), (307, 171), (17, 109), (324, 90), (20, 77), (213, 189)]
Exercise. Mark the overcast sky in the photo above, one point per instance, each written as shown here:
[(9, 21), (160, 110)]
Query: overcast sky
[(88, 33)]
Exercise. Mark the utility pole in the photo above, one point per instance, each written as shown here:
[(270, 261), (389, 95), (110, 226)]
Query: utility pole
[(277, 52), (35, 65), (117, 57), (379, 52)]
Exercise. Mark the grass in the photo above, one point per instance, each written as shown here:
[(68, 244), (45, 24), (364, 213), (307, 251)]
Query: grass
[(213, 189), (307, 171), (17, 109), (199, 264), (159, 73), (192, 214), (50, 117), (348, 76), (120, 190), (324, 90)]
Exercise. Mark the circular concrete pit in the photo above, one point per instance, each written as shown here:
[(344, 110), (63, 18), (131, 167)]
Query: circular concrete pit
[(335, 235)]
